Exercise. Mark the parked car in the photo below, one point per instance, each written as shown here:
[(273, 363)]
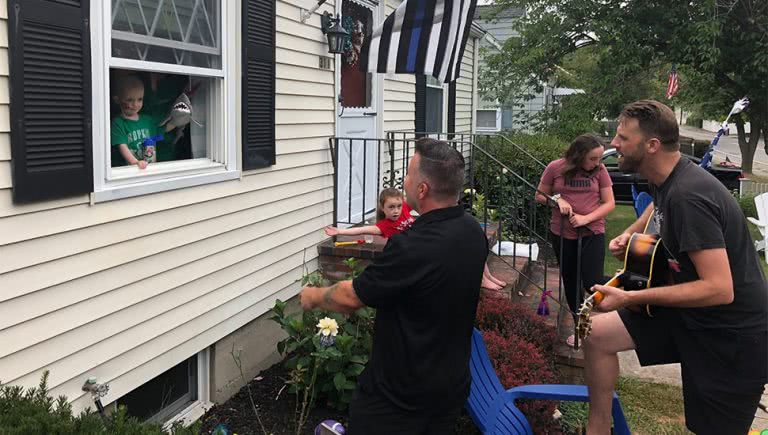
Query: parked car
[(622, 183)]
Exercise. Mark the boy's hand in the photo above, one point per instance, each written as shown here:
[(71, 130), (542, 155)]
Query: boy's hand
[(142, 164), (331, 231)]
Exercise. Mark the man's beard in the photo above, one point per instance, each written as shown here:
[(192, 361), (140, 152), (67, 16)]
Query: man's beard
[(629, 164)]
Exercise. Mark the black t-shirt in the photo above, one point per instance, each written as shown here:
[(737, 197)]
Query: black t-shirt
[(695, 212), (425, 287)]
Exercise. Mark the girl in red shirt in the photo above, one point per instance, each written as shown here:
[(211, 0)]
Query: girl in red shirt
[(394, 217)]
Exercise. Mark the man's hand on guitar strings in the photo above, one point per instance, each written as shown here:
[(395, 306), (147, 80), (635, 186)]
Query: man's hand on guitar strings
[(613, 298), (618, 245)]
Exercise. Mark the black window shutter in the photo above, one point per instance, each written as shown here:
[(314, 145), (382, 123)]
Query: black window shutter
[(258, 83), (420, 119), (50, 82), (452, 108)]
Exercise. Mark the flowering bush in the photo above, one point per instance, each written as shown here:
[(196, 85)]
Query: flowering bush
[(496, 313), (325, 352), (520, 345), (518, 362)]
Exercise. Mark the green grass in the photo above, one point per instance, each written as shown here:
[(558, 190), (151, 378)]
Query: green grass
[(616, 222), (650, 408)]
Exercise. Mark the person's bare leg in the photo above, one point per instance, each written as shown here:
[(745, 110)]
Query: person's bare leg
[(609, 336), (487, 274), (489, 284)]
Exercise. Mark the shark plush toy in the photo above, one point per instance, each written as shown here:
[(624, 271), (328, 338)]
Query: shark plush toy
[(180, 115)]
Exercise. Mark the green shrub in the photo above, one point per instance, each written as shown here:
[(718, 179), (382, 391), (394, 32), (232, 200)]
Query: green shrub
[(511, 194), (747, 204), (334, 366), (325, 368), (34, 411), (694, 121)]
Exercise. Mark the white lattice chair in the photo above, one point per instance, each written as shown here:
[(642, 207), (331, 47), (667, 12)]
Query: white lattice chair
[(761, 203)]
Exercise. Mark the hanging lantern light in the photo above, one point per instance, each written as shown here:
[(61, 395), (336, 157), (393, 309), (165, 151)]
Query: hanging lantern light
[(335, 33)]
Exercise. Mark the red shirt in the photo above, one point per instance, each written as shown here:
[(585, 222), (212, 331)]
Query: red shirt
[(389, 228), (582, 192)]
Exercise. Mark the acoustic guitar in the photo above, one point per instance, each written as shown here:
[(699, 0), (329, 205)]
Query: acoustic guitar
[(645, 266)]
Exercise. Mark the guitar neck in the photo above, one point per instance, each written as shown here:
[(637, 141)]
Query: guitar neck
[(614, 282)]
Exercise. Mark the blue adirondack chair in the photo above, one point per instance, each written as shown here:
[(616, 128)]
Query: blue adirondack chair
[(641, 202), (493, 409)]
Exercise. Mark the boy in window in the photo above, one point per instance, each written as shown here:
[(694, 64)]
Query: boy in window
[(130, 129)]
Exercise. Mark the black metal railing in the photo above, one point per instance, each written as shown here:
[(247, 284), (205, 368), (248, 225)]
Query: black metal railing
[(501, 198)]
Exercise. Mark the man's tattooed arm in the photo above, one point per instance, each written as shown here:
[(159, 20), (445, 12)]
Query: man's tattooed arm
[(340, 297)]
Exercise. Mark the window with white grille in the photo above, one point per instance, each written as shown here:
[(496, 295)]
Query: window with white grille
[(178, 32), (172, 47)]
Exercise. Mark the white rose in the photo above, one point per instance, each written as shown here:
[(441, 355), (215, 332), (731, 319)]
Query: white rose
[(328, 326)]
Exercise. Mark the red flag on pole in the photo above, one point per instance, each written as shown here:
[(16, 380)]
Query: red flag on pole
[(673, 83)]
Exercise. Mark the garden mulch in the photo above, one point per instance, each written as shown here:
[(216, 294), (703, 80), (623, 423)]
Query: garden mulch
[(277, 409)]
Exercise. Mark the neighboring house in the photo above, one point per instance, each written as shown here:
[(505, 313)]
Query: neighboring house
[(148, 279), (492, 116)]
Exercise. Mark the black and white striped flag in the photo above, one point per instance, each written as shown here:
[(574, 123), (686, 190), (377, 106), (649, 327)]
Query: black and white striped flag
[(421, 37)]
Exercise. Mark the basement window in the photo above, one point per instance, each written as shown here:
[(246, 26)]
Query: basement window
[(178, 393)]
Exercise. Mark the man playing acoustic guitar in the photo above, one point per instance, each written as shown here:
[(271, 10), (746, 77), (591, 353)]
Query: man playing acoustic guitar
[(713, 316)]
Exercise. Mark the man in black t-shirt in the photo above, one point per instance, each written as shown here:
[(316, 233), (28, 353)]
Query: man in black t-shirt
[(425, 287), (713, 316)]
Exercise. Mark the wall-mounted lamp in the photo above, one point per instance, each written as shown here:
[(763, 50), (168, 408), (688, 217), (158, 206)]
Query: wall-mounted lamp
[(336, 34)]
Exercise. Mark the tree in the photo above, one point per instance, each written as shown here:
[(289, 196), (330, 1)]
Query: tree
[(625, 47)]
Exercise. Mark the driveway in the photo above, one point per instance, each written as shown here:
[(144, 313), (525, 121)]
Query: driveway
[(729, 146)]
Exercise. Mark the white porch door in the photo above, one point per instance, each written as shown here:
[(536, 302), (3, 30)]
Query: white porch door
[(358, 112)]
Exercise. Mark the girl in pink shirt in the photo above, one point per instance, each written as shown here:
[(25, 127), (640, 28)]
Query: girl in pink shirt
[(394, 217), (584, 194)]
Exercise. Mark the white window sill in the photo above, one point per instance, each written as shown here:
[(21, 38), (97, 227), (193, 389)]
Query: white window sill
[(156, 171), (189, 415), (161, 177)]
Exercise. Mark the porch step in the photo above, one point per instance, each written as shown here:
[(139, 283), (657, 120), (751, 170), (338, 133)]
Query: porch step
[(569, 362), (331, 257)]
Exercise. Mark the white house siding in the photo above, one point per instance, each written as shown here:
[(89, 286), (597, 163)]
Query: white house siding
[(465, 88), (124, 290)]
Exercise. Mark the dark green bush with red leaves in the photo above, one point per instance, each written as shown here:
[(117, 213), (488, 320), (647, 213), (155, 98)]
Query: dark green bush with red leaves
[(521, 347)]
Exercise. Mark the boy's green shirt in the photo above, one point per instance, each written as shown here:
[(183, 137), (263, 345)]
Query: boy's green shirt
[(131, 133)]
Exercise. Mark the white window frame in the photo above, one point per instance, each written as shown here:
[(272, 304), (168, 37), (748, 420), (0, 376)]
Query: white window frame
[(430, 82), (496, 111), (198, 408), (222, 162)]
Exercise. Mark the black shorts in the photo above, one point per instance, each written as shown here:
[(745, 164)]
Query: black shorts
[(723, 370)]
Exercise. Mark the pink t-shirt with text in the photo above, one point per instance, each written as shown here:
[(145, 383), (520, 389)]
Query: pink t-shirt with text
[(582, 192)]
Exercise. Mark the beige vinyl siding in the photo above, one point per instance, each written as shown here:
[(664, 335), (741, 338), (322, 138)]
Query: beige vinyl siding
[(124, 290), (465, 88)]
